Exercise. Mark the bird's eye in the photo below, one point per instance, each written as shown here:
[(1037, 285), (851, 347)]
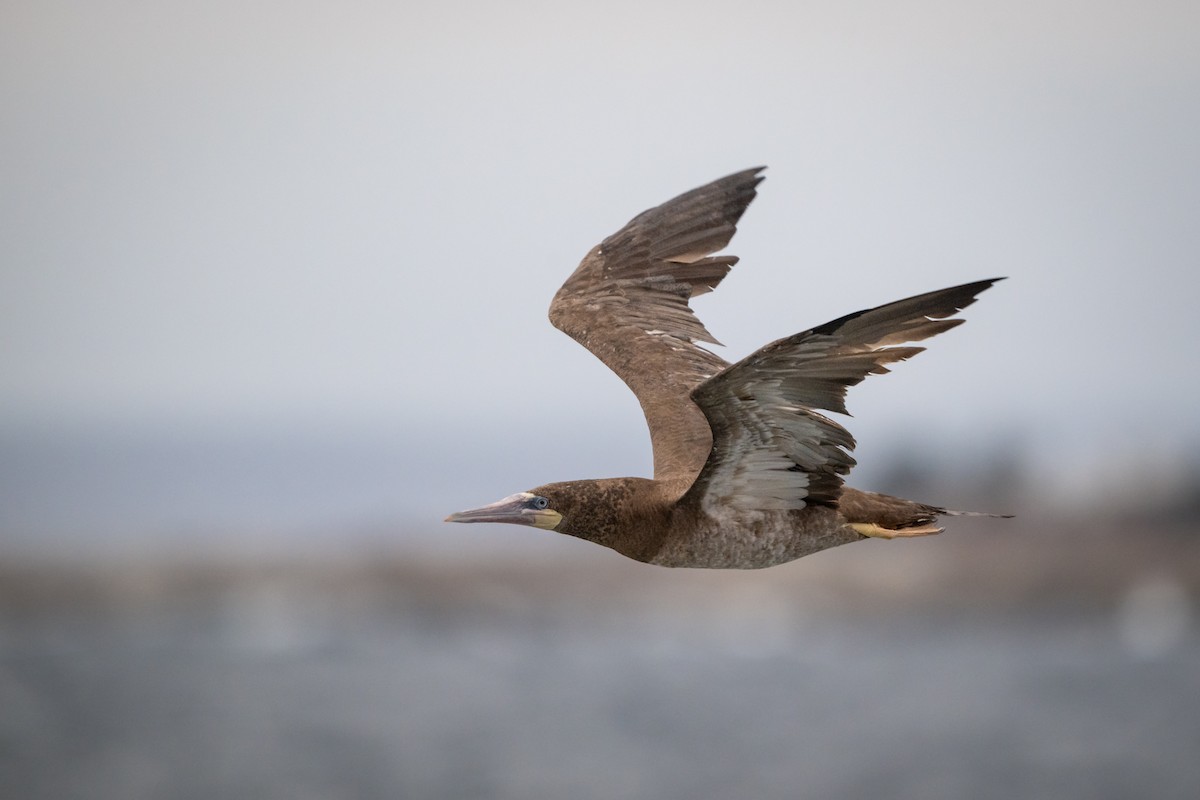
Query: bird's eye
[(540, 502)]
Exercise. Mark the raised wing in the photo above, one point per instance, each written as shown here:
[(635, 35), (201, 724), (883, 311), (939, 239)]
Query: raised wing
[(627, 303), (771, 448)]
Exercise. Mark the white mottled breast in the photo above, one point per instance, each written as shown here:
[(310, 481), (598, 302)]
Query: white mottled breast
[(735, 538)]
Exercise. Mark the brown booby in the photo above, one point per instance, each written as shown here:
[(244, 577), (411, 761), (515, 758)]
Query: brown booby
[(747, 472)]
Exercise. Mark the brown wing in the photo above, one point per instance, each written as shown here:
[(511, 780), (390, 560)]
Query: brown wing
[(628, 304), (771, 449)]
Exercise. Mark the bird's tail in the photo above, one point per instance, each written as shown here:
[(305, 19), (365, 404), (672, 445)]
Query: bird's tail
[(886, 517), (950, 512), (917, 519)]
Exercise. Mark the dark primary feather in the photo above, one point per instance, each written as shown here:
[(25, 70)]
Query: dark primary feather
[(771, 448), (627, 303)]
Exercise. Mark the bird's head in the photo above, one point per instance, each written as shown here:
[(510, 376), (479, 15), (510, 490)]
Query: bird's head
[(599, 511), (586, 509), (534, 508)]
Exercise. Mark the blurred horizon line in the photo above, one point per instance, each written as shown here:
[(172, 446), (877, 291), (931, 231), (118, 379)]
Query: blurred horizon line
[(91, 490)]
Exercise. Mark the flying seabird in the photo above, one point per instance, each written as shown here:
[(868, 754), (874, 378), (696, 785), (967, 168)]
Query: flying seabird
[(747, 472)]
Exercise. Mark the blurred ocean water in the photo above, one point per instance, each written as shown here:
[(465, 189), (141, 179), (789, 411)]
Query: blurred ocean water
[(453, 684)]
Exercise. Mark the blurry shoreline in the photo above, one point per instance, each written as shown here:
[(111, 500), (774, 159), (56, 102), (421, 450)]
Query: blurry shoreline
[(1035, 658), (982, 566)]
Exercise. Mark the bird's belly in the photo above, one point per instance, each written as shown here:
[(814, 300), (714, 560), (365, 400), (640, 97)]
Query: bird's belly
[(738, 539)]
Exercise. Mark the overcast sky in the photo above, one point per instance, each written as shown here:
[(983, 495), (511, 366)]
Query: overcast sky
[(346, 215)]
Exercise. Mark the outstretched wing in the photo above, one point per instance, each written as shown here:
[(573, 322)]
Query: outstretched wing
[(771, 448), (628, 304)]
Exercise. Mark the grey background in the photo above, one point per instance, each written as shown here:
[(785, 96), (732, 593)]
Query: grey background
[(273, 281)]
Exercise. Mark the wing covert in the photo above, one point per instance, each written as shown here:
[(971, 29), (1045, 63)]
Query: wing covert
[(628, 303)]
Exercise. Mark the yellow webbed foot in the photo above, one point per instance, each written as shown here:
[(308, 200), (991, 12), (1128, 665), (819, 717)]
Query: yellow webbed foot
[(876, 532)]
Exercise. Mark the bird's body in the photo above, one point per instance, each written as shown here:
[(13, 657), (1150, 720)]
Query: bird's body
[(747, 472), (635, 517)]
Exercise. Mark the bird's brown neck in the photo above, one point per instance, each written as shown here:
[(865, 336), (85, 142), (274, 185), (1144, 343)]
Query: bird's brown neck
[(629, 515)]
